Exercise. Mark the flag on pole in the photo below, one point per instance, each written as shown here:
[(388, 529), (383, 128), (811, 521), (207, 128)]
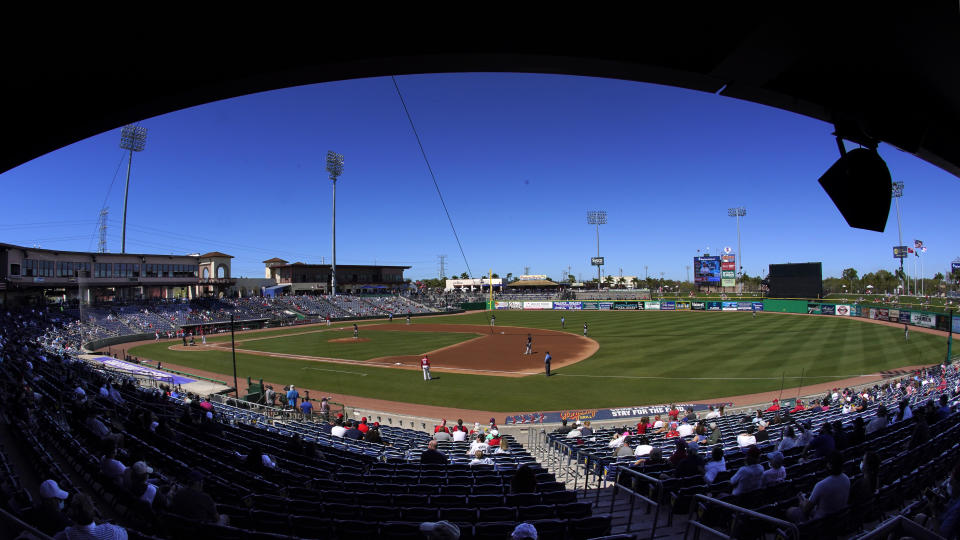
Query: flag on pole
[(918, 244)]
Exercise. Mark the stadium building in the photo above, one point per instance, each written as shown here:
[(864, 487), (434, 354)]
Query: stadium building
[(29, 274), (302, 278)]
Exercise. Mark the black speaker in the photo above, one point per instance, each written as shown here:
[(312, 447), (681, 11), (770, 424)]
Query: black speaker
[(859, 185)]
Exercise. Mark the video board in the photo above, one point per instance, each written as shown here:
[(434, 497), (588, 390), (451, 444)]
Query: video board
[(706, 269)]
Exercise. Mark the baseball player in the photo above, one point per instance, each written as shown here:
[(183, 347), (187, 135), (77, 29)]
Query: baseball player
[(584, 329), (563, 322), (356, 331), (906, 333), (529, 349), (425, 366), (546, 363), (408, 318), (391, 317), (493, 320)]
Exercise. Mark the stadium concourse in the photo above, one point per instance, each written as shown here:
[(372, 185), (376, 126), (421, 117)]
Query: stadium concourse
[(163, 463)]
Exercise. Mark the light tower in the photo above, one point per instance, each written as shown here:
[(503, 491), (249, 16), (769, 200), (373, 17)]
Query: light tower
[(896, 191), (598, 218), (102, 245), (132, 138), (335, 168), (738, 213)]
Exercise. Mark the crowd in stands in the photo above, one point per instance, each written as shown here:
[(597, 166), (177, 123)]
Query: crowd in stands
[(117, 460), (851, 453)]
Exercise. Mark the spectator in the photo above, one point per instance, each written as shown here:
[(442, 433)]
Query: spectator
[(575, 432), (715, 466), (862, 491), (192, 503), (440, 530), (715, 434), (363, 426), (48, 514), (292, 396), (352, 432), (110, 467), (643, 447), (504, 447), (524, 481), (762, 435), (776, 473), (83, 513), (478, 459), (950, 519), (442, 427), (524, 530), (459, 434), (586, 430), (442, 436), (879, 421), (270, 397), (823, 444), (373, 434), (562, 430), (775, 407), (749, 477), (788, 441), (859, 434), (691, 464), (139, 487), (829, 495), (338, 430), (479, 444), (746, 439), (431, 455), (684, 429), (306, 407)]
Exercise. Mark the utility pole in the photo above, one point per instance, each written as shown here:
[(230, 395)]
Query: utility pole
[(441, 266), (102, 245), (526, 270), (688, 273)]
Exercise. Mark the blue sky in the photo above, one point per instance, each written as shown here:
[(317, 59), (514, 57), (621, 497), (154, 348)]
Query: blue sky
[(520, 160)]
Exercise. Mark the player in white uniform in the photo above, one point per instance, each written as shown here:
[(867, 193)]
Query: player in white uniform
[(425, 366)]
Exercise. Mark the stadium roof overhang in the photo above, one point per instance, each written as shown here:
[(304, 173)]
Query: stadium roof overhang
[(885, 72)]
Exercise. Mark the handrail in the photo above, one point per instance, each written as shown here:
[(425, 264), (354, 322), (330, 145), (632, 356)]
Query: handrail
[(637, 495), (900, 524), (7, 516), (789, 529)]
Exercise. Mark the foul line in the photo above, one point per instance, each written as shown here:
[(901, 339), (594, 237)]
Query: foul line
[(336, 371), (723, 378)]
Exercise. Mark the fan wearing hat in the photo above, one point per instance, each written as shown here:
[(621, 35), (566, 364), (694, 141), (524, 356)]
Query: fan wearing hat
[(48, 513), (776, 473), (191, 502), (83, 514)]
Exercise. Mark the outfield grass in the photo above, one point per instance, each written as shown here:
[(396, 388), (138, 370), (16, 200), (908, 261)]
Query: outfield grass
[(644, 358)]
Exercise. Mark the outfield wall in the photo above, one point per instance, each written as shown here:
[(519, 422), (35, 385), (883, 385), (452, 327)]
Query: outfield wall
[(925, 319)]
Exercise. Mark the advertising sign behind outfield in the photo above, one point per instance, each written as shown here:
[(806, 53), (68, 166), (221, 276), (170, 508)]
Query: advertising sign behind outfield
[(625, 305), (843, 310), (828, 309), (744, 306), (729, 306), (926, 320), (956, 324), (568, 305), (880, 314), (669, 305), (606, 306), (699, 306), (813, 309), (904, 317), (651, 306), (895, 315), (590, 305), (758, 306), (537, 305), (509, 305), (683, 305), (714, 306)]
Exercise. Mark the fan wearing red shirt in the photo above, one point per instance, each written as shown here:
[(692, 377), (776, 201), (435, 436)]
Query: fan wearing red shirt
[(775, 407), (363, 425), (799, 407)]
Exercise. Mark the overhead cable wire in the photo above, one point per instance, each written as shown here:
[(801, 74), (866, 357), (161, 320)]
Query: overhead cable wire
[(432, 175)]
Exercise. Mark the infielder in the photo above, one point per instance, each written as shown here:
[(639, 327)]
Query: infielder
[(356, 331), (529, 349), (425, 366), (584, 329)]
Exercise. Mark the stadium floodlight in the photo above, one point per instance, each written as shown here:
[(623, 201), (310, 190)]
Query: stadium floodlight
[(335, 168), (896, 191), (738, 213), (133, 138), (598, 218)]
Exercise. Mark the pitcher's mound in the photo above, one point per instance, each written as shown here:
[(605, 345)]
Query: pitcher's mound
[(347, 340)]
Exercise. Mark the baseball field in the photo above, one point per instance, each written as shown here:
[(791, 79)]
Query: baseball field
[(628, 358)]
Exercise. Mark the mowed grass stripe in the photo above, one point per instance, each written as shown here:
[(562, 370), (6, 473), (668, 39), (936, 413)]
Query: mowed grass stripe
[(632, 344)]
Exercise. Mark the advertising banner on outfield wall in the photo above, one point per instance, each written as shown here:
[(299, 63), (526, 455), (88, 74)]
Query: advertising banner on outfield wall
[(625, 305), (956, 324), (843, 310), (745, 306), (880, 314), (729, 306), (895, 315), (714, 306), (573, 415), (943, 323), (926, 320), (655, 306), (683, 305), (757, 306), (669, 305), (590, 305), (509, 305), (828, 309), (699, 306), (904, 317), (813, 309), (606, 306), (537, 305), (568, 305)]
